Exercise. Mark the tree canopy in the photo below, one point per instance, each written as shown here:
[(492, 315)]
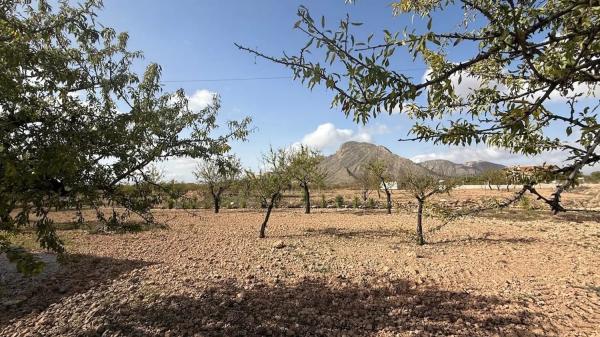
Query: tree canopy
[(269, 184), (305, 170), (518, 56), (76, 121), (219, 173)]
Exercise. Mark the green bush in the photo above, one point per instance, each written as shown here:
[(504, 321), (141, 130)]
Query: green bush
[(371, 203), (323, 201), (356, 202), (525, 203), (171, 203), (339, 201)]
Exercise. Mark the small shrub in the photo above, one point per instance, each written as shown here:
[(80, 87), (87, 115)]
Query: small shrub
[(371, 203), (525, 203), (356, 201), (339, 201), (323, 201), (171, 204)]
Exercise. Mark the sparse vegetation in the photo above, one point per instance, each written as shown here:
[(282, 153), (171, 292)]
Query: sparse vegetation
[(422, 188), (381, 173), (339, 201), (95, 241), (64, 141), (270, 184), (524, 54), (305, 171), (356, 202), (219, 173)]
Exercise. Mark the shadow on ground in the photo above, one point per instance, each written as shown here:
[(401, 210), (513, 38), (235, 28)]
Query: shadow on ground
[(350, 234), (487, 240), (313, 307), (523, 215), (73, 274)]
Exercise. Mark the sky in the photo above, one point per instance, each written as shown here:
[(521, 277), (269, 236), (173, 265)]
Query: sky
[(193, 41)]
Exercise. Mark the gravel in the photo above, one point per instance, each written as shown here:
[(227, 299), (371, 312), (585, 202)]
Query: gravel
[(324, 274)]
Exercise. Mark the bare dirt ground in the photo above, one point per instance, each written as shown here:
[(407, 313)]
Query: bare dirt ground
[(331, 273)]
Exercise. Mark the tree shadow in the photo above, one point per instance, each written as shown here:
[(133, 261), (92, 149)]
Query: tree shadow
[(351, 234), (61, 278), (526, 215), (316, 307), (486, 240)]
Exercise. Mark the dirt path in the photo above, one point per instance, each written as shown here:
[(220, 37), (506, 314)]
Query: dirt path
[(326, 274)]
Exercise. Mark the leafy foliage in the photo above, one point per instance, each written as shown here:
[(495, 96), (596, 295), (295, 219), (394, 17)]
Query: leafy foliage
[(422, 187), (269, 185), (76, 123), (219, 173), (380, 172), (305, 171), (520, 54)]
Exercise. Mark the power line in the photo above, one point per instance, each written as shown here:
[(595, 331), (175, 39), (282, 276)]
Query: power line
[(237, 79), (230, 79)]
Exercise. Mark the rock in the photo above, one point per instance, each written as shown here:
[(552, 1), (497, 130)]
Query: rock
[(279, 245), (240, 297)]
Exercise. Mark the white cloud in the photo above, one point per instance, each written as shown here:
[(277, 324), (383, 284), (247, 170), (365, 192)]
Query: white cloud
[(179, 169), (201, 99), (326, 137), (583, 89), (468, 84), (461, 155), (492, 154)]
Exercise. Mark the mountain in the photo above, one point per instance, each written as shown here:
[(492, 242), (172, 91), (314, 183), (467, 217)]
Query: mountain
[(451, 169), (448, 168), (347, 162), (483, 166)]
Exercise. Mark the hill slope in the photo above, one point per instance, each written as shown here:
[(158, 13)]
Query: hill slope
[(351, 156), (483, 166), (449, 169)]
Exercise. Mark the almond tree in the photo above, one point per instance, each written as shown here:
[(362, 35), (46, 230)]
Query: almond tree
[(77, 123), (305, 170), (422, 187), (218, 173), (522, 56), (269, 184), (380, 172), (365, 180)]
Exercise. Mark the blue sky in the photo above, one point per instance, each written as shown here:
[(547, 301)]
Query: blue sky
[(194, 40)]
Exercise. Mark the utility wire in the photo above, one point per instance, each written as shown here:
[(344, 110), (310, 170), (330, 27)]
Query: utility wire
[(238, 79), (231, 79)]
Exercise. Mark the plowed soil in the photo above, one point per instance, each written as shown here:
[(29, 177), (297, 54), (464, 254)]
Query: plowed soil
[(330, 273)]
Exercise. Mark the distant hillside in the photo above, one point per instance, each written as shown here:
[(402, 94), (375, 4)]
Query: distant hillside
[(352, 156), (451, 169), (483, 166)]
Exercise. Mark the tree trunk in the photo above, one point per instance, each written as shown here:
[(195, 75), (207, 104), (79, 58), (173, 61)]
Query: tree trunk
[(217, 202), (263, 227), (420, 239), (307, 197), (388, 195)]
